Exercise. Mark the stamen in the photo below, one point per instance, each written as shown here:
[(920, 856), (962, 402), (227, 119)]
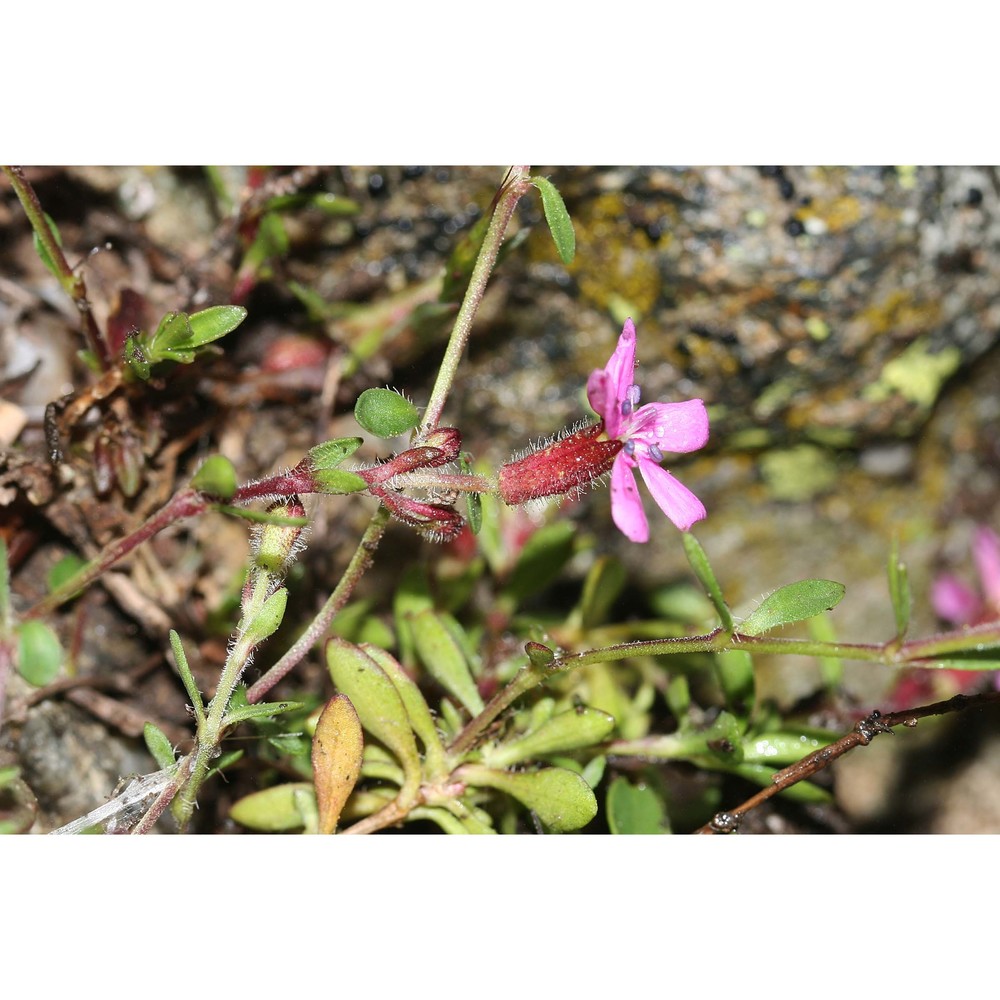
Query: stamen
[(631, 400), (655, 454), (630, 447)]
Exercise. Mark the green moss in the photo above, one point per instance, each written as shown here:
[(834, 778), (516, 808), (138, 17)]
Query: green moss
[(917, 375), (798, 473)]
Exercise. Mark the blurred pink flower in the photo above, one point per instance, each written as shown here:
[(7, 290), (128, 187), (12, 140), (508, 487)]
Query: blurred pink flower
[(646, 433), (958, 603)]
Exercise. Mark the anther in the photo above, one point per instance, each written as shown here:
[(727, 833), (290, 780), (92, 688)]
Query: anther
[(655, 454)]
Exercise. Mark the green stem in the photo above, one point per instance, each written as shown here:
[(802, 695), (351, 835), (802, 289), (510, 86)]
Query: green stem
[(72, 283), (359, 563), (514, 186)]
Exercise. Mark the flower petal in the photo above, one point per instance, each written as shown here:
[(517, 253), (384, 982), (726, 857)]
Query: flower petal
[(601, 397), (621, 367), (606, 388), (626, 505), (676, 427), (954, 601), (986, 550), (671, 495)]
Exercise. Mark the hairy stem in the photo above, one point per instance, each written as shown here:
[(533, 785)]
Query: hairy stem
[(514, 186), (356, 568)]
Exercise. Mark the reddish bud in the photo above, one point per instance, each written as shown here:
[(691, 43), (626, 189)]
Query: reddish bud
[(570, 463)]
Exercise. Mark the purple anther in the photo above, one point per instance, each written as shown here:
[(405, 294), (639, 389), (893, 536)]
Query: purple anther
[(629, 447), (655, 454)]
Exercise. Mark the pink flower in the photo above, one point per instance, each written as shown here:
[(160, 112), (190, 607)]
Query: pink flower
[(646, 433), (956, 602)]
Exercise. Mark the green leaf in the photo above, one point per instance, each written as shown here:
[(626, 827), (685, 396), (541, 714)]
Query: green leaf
[(830, 667), (699, 563), (337, 748), (330, 454), (378, 704), (217, 477), (542, 559), (161, 749), (135, 357), (678, 696), (565, 731), (39, 654), (899, 590), (187, 678), (560, 799), (783, 748), (539, 655), (604, 583), (793, 603), (273, 810), (385, 413), (634, 809), (40, 246), (445, 659), (335, 482), (262, 710), (267, 620), (212, 324), (417, 711), (560, 224), (64, 571), (473, 501), (802, 791), (734, 669)]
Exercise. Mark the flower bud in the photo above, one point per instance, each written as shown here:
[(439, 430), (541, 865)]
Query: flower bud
[(568, 464)]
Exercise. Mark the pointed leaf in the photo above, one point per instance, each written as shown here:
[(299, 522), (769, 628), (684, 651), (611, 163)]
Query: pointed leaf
[(899, 590), (445, 660), (187, 678), (570, 730), (473, 501), (560, 224), (793, 603), (703, 570), (337, 749), (262, 710), (416, 707), (378, 705), (212, 324), (161, 749), (330, 454)]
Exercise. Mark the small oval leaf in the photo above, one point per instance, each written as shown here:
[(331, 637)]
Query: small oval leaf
[(217, 477), (39, 654), (793, 603), (385, 413), (337, 749), (273, 810), (561, 799)]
